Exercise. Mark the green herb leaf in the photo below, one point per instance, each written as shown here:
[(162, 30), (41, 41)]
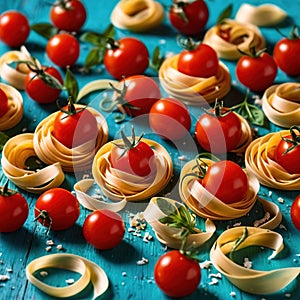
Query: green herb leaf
[(94, 58), (157, 59), (96, 39), (225, 14), (71, 85), (166, 206), (109, 31), (3, 139), (45, 30)]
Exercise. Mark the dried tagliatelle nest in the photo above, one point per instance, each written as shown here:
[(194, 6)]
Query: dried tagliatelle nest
[(15, 103), (205, 204), (281, 104), (137, 15), (15, 76), (16, 151), (118, 185), (79, 158), (193, 90), (229, 36), (171, 235), (259, 161)]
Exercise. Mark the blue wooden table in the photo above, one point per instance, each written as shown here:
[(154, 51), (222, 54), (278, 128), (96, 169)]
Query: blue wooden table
[(128, 280)]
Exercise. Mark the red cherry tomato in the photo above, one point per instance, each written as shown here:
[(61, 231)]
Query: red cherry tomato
[(57, 209), (286, 54), (13, 210), (256, 72), (68, 15), (141, 93), (170, 119), (135, 158), (287, 152), (295, 212), (176, 274), (76, 128), (37, 88), (219, 132), (103, 229), (126, 57), (200, 62), (63, 49), (227, 181), (189, 18), (14, 28), (4, 107)]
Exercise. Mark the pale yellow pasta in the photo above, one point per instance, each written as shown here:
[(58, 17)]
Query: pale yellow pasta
[(193, 90), (79, 158), (241, 36), (137, 15), (15, 112), (118, 185), (259, 160), (281, 104)]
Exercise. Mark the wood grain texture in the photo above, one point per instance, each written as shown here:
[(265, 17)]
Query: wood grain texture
[(127, 279)]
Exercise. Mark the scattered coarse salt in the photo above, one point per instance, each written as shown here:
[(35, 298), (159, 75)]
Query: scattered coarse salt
[(85, 176), (70, 281), (264, 219), (298, 254), (213, 281), (142, 261), (232, 294), (182, 157), (212, 275), (50, 243), (270, 193), (280, 200), (287, 295), (237, 224), (4, 277), (124, 274), (123, 283), (206, 264), (44, 273), (147, 237), (281, 226), (59, 247), (48, 248), (247, 263), (9, 270), (258, 101)]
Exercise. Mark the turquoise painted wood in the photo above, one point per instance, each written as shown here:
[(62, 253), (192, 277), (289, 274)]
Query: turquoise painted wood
[(127, 279)]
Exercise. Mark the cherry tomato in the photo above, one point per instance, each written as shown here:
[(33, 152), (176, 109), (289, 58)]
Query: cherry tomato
[(133, 157), (63, 49), (295, 212), (103, 229), (37, 87), (68, 15), (256, 72), (189, 18), (199, 62), (14, 28), (287, 152), (4, 107), (170, 119), (141, 92), (219, 131), (13, 210), (176, 274), (227, 181), (76, 127), (57, 209), (286, 52), (126, 57)]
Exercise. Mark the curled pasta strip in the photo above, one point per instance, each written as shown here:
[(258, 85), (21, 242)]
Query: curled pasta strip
[(259, 160), (205, 204), (15, 153), (281, 104), (92, 203), (117, 185), (90, 272), (15, 112), (262, 15), (193, 90), (14, 77), (241, 36), (137, 15), (170, 236), (250, 280), (79, 158)]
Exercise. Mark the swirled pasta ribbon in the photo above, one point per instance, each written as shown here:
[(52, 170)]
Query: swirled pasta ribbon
[(15, 113), (281, 104), (205, 204), (137, 15), (90, 272), (193, 90), (79, 158), (118, 185), (262, 15), (259, 160), (15, 153), (169, 235), (241, 36), (249, 280), (14, 77)]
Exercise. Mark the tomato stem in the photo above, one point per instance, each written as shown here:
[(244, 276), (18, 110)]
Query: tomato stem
[(5, 191), (293, 35), (187, 43), (178, 9), (294, 141), (43, 214), (112, 43)]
